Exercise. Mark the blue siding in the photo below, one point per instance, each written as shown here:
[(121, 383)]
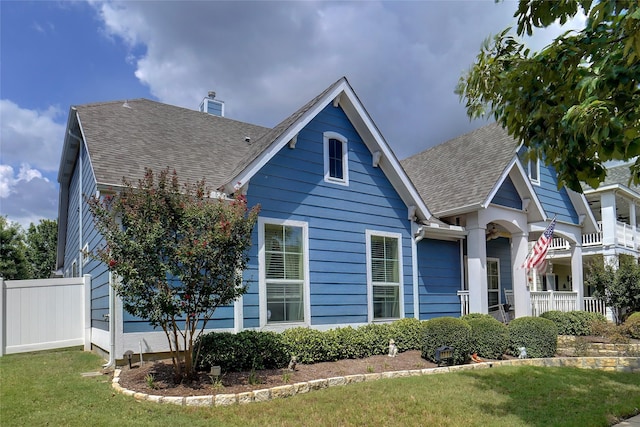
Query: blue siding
[(554, 201), (291, 186), (501, 248), (439, 278), (507, 195)]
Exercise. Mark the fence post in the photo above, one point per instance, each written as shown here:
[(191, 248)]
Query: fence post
[(86, 299), (3, 314)]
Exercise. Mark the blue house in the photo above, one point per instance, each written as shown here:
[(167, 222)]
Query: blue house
[(347, 234), (343, 238)]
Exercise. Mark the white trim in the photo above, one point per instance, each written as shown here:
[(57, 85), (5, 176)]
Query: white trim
[(397, 236), (414, 270), (326, 136), (85, 254), (262, 283), (535, 181)]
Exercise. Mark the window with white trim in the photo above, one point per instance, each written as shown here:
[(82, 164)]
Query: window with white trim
[(384, 274), (493, 283), (534, 171), (336, 158), (284, 271)]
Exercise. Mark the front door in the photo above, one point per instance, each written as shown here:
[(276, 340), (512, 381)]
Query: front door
[(493, 283)]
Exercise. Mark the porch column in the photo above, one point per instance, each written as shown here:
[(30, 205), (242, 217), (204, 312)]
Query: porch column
[(521, 295), (632, 222), (609, 223), (477, 268), (576, 274)]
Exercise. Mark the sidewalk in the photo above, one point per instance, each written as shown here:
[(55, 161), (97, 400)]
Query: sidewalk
[(631, 422)]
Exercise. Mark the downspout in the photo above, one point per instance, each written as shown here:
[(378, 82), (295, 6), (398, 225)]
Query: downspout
[(112, 324)]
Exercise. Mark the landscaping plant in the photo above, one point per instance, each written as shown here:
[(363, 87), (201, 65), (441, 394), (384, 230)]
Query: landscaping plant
[(176, 253), (447, 331), (538, 335)]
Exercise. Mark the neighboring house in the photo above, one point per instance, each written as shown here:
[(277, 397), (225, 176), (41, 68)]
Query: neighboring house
[(614, 204), (480, 181), (358, 242)]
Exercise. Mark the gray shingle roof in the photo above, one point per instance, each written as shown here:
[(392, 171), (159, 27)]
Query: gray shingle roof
[(123, 141), (616, 175), (462, 171)]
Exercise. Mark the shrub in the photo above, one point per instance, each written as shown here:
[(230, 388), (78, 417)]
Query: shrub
[(538, 335), (246, 350), (407, 333), (470, 316), (632, 325), (447, 331), (308, 345), (489, 337), (577, 323)]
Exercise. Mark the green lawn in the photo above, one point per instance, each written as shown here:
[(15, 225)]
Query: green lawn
[(47, 389)]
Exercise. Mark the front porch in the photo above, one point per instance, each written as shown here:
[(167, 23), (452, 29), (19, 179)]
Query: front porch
[(543, 301)]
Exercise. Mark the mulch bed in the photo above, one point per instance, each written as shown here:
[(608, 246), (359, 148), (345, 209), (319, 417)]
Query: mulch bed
[(238, 382)]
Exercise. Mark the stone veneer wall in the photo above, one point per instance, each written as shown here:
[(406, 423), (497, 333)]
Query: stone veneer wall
[(622, 364), (574, 346)]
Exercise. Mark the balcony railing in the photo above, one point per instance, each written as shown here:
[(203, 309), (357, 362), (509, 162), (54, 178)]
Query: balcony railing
[(625, 236)]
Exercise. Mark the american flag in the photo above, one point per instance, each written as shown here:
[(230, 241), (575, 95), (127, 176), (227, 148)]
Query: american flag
[(537, 257)]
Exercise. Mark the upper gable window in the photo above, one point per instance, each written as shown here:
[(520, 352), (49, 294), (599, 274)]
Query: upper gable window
[(534, 171), (336, 160)]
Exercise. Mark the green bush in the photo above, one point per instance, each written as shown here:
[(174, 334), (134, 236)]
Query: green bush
[(243, 351), (489, 337), (577, 323), (447, 331), (470, 316), (308, 345), (632, 325), (407, 333), (538, 335)]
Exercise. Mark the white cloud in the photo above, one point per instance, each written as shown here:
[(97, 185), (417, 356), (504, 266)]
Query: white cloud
[(27, 196), (30, 136)]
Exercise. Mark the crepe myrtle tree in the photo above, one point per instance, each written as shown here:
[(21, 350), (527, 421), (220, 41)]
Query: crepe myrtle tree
[(576, 103), (177, 253)]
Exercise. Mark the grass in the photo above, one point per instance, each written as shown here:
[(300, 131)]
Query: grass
[(46, 388)]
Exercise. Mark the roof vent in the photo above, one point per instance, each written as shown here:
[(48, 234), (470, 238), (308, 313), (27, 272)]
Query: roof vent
[(212, 106), (247, 139)]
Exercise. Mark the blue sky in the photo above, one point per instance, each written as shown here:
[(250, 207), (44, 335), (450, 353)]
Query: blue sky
[(264, 59)]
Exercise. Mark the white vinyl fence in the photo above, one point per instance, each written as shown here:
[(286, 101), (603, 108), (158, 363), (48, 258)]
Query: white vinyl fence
[(44, 314)]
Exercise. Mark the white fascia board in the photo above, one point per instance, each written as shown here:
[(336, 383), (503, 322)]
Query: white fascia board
[(618, 188), (460, 211), (389, 163), (498, 183), (245, 176), (84, 142), (581, 206), (522, 180)]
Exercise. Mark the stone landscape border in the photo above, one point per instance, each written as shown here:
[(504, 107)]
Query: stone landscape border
[(621, 364)]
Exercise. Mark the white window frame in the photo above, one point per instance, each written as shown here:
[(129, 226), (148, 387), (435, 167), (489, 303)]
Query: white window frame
[(85, 254), (263, 275), (345, 158), (499, 290), (398, 236), (534, 165)]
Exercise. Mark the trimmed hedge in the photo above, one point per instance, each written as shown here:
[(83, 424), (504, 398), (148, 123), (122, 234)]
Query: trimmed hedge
[(447, 331), (244, 351), (538, 335), (489, 337), (471, 316), (578, 323), (632, 325), (308, 345)]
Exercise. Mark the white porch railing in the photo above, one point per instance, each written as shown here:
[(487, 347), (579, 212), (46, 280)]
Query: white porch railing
[(547, 301), (542, 302), (626, 236), (464, 302), (594, 305)]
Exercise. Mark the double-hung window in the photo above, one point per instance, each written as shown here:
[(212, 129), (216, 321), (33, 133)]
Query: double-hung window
[(336, 158), (284, 272), (384, 265)]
